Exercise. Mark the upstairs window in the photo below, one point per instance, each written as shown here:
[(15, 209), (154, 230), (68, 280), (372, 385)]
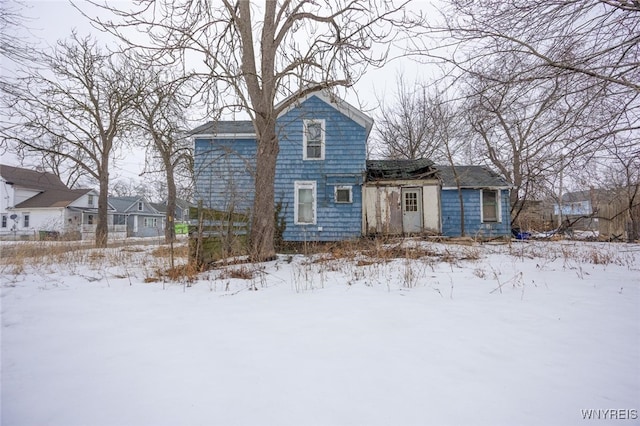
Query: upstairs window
[(313, 140), (90, 200), (343, 194), (140, 206), (490, 205)]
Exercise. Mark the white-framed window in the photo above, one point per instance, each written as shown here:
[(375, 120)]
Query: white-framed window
[(90, 200), (119, 219), (140, 206), (25, 220), (305, 202), (490, 202), (4, 221), (313, 139), (90, 219), (150, 222), (343, 194)]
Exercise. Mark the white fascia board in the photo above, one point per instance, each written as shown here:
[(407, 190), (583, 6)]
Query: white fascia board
[(341, 105), (450, 188), (225, 136)]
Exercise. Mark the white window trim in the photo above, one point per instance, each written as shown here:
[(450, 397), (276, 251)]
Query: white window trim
[(344, 187), (140, 206), (306, 184), (498, 205), (304, 139)]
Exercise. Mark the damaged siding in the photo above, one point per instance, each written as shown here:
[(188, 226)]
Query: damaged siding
[(383, 206)]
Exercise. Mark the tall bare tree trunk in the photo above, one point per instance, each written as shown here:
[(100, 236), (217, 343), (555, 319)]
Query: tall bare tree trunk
[(170, 229), (102, 227), (262, 220)]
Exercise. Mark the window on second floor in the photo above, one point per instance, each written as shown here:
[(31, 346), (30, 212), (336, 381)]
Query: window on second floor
[(140, 206), (490, 205), (313, 140), (90, 200)]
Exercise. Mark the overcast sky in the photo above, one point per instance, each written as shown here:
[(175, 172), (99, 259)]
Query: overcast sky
[(51, 20)]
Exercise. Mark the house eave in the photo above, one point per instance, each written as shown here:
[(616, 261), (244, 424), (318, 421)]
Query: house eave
[(452, 188), (225, 136)]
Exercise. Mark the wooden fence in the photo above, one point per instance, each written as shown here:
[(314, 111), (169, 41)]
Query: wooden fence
[(216, 235)]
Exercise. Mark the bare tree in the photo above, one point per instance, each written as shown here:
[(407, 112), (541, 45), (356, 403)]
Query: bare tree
[(160, 116), (622, 175), (267, 57), (74, 107), (529, 128), (408, 127), (597, 39), (13, 47), (71, 174)]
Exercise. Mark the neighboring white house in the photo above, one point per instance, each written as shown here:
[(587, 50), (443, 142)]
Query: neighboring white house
[(36, 204)]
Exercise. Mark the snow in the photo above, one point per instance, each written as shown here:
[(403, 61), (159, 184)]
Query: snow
[(526, 333)]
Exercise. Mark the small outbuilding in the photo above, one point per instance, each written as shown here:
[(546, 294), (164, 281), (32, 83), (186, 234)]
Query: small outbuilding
[(485, 210), (401, 197)]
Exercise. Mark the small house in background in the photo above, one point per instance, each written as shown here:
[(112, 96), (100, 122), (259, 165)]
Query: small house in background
[(139, 216), (485, 197), (581, 208), (37, 205), (181, 215), (614, 214), (401, 197)]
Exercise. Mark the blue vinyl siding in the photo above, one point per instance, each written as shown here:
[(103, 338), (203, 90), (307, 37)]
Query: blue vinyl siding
[(224, 170), (344, 165), (472, 225)]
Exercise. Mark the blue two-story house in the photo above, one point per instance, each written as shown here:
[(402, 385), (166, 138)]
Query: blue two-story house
[(320, 168)]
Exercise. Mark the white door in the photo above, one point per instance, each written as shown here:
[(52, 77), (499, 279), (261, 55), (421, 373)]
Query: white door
[(412, 210)]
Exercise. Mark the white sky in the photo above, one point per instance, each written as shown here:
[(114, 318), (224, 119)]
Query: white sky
[(51, 20)]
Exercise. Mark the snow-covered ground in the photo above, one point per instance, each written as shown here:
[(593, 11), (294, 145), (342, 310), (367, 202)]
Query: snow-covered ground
[(529, 333)]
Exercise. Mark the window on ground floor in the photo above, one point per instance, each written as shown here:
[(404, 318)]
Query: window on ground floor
[(25, 220), (343, 194), (150, 222), (490, 199), (305, 203), (4, 220)]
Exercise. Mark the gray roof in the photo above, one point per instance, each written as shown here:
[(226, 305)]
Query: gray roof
[(245, 127), (242, 127), (128, 204), (471, 177), (593, 195), (53, 198), (399, 169), (31, 179), (162, 207), (122, 204)]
